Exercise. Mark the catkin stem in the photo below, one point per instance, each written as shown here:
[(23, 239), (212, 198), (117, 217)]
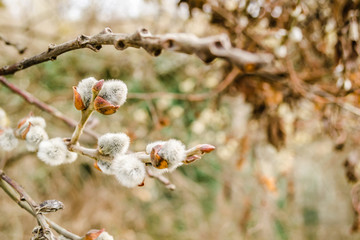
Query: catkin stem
[(85, 114), (79, 128)]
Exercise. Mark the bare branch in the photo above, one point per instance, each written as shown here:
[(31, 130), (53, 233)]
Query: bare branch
[(43, 106), (33, 205), (10, 192), (161, 179), (207, 49)]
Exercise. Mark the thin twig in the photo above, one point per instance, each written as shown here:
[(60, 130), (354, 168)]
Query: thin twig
[(295, 81), (18, 47), (33, 205), (330, 99), (10, 192), (207, 49), (161, 179), (43, 106), (192, 154)]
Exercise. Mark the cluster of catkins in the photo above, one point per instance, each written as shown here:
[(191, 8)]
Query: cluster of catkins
[(130, 170), (104, 97), (31, 129)]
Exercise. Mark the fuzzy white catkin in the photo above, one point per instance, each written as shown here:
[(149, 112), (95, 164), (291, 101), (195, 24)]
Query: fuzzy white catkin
[(8, 141), (155, 171), (54, 152), (35, 121), (105, 236), (113, 143), (105, 167), (84, 88), (70, 157), (33, 138), (150, 146), (114, 91), (129, 170), (174, 152)]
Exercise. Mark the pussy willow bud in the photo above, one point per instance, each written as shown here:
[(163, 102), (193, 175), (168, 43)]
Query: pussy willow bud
[(24, 120), (150, 146), (104, 166), (104, 107), (97, 87), (105, 236), (34, 136), (169, 155), (112, 95), (78, 102), (129, 170), (111, 144), (98, 235), (24, 123), (156, 160), (93, 234), (155, 171), (54, 152), (8, 141), (83, 93)]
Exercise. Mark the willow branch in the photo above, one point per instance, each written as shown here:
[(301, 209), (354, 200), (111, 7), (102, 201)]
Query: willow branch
[(207, 49), (43, 106), (88, 152), (10, 192), (33, 205)]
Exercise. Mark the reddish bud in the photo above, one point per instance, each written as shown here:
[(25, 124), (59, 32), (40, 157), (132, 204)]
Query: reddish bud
[(104, 107), (78, 102), (98, 86), (156, 160), (191, 159), (206, 148), (23, 134), (23, 121), (93, 234)]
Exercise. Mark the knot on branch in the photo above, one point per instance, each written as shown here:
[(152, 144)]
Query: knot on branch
[(219, 42), (141, 38), (189, 44), (244, 60), (84, 41), (51, 47)]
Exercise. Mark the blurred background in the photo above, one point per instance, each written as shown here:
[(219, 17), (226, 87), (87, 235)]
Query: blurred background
[(282, 135)]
